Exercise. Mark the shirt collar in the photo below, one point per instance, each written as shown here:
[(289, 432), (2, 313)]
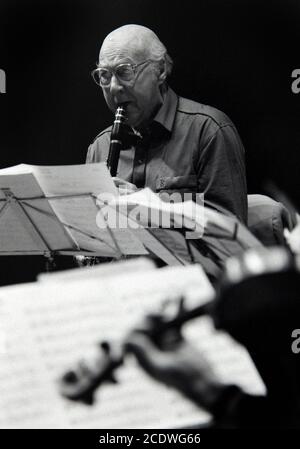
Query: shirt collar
[(167, 112)]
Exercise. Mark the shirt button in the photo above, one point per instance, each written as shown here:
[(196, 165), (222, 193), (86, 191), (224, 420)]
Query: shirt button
[(162, 183), (140, 161)]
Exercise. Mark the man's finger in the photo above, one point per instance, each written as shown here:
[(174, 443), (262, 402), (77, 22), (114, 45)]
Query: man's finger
[(147, 354)]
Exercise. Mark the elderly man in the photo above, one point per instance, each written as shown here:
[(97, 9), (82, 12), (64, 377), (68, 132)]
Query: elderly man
[(173, 144)]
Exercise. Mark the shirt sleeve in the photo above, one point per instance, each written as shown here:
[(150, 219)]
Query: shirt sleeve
[(89, 155), (98, 150), (220, 169)]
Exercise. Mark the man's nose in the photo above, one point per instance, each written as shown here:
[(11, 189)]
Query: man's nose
[(115, 85)]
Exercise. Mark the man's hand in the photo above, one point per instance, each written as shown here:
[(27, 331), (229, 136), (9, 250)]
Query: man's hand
[(124, 187), (176, 363)]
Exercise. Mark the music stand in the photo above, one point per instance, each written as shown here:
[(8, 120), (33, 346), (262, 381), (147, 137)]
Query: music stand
[(223, 236), (40, 232)]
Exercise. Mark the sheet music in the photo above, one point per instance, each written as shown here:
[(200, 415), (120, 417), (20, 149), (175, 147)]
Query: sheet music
[(65, 321), (150, 208), (64, 179), (77, 209), (114, 268), (189, 215), (16, 169), (17, 233), (124, 234), (72, 186), (22, 185), (75, 179), (81, 212), (79, 216), (27, 397), (230, 360), (54, 233), (90, 229), (147, 239), (14, 236)]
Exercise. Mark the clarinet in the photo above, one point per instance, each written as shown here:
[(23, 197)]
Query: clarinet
[(115, 141), (112, 164)]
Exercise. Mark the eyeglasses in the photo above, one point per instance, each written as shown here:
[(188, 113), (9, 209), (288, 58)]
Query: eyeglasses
[(126, 73)]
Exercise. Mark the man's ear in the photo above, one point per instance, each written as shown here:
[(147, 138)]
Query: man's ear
[(162, 74)]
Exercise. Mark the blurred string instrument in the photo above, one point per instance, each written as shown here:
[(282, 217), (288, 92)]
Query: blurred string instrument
[(237, 308)]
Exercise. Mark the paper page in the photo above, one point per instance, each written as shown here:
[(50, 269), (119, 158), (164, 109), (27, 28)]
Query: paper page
[(150, 211), (90, 229), (68, 179), (28, 398), (70, 182), (30, 225), (79, 217), (161, 214), (21, 185), (65, 321), (16, 169), (17, 236), (123, 231), (75, 179), (55, 235), (114, 268), (230, 360), (79, 212), (189, 215), (148, 238)]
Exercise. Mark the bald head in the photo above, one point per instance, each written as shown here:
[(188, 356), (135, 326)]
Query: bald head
[(137, 65), (136, 41)]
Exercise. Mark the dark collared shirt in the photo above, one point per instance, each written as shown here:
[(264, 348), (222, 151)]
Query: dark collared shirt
[(189, 147)]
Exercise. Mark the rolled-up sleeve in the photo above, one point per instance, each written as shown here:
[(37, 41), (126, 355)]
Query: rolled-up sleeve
[(98, 150), (89, 155)]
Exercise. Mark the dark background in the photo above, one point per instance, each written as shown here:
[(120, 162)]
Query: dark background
[(232, 54)]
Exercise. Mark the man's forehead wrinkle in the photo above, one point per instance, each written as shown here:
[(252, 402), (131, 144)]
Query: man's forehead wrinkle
[(114, 56)]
